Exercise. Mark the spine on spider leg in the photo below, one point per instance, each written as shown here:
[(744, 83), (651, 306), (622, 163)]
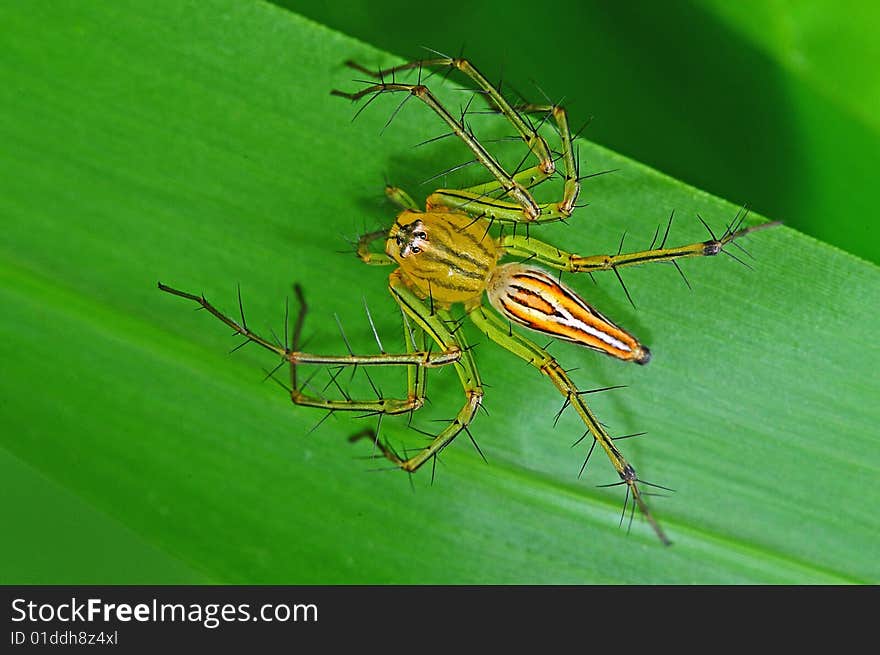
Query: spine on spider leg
[(552, 369), (627, 473), (533, 298), (496, 330)]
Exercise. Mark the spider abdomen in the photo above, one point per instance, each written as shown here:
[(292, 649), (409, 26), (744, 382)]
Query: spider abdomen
[(444, 254), (531, 297)]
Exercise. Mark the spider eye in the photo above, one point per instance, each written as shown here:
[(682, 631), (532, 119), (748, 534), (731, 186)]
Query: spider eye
[(420, 235), (416, 249)]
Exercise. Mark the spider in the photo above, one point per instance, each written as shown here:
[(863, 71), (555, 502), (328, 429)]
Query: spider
[(445, 255)]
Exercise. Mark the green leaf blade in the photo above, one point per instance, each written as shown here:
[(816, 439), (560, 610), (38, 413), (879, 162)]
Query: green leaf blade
[(221, 159)]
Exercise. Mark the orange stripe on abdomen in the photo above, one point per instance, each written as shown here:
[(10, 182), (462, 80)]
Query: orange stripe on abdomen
[(533, 298)]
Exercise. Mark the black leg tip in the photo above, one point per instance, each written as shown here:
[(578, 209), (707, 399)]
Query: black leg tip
[(644, 356)]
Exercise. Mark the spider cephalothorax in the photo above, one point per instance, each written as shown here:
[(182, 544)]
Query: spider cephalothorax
[(447, 254), (443, 254), (450, 257)]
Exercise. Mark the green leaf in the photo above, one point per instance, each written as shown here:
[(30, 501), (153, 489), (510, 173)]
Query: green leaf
[(825, 56), (197, 144), (769, 103)]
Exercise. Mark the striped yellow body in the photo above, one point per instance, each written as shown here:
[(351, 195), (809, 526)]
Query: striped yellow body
[(449, 256), (444, 254)]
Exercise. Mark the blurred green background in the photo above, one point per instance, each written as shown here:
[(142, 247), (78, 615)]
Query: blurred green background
[(195, 142), (771, 103)]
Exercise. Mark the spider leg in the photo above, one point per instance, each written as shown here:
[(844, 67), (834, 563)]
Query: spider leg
[(412, 359), (534, 142), (400, 198), (416, 376), (475, 200), (528, 209), (367, 255), (434, 322), (498, 331), (551, 256)]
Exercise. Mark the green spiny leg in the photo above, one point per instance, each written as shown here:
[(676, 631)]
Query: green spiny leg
[(552, 256), (400, 198), (534, 141), (572, 185), (527, 207), (368, 256), (412, 358), (435, 323), (499, 332), (473, 200), (416, 382), (416, 376)]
